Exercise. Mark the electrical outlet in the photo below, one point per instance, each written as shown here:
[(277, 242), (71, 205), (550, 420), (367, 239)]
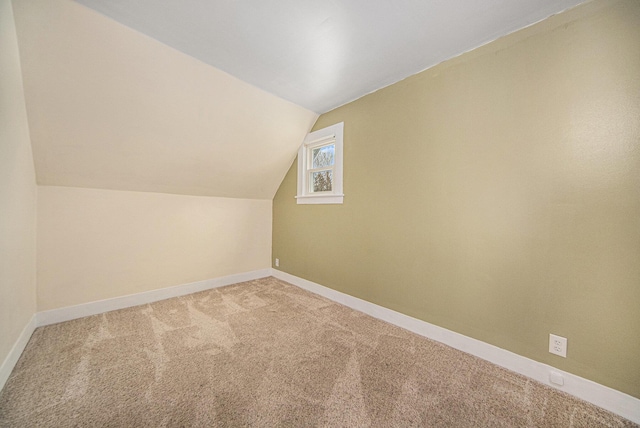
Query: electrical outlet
[(277, 262), (558, 345)]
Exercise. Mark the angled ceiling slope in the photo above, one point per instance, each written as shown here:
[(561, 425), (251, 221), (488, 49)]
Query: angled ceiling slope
[(322, 54), (111, 108)]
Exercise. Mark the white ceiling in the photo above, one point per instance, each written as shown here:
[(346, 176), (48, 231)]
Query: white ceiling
[(217, 101), (322, 54)]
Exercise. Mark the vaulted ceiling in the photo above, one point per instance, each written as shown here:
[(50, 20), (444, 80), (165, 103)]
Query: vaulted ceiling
[(213, 97)]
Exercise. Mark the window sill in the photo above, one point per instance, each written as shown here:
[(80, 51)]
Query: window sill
[(319, 199)]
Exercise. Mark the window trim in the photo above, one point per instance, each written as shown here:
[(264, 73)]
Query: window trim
[(312, 140)]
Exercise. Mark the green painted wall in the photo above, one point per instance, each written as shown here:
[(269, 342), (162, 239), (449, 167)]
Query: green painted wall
[(497, 195)]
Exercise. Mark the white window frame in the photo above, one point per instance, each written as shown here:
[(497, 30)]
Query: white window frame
[(331, 134)]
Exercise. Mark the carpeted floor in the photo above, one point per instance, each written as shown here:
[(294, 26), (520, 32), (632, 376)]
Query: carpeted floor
[(266, 353)]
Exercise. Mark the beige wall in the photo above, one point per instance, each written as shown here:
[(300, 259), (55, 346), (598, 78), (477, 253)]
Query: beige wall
[(497, 195), (17, 194), (97, 244)]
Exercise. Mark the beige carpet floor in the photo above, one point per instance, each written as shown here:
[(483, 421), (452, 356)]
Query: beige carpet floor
[(266, 353)]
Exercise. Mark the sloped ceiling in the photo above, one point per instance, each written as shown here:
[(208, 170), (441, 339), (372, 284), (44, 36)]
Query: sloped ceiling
[(111, 108), (213, 98), (322, 54)]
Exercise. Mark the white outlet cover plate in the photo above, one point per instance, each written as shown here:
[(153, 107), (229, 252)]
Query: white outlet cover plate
[(558, 345)]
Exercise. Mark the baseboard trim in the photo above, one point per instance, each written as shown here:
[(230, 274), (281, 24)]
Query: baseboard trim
[(14, 354), (602, 396), (68, 313)]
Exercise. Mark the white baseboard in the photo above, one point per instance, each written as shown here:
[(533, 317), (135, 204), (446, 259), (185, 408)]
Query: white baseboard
[(68, 313), (602, 396), (12, 358)]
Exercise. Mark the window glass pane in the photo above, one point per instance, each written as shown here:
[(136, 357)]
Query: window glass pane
[(321, 181), (323, 156)]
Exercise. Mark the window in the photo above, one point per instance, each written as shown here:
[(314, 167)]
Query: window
[(320, 167)]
